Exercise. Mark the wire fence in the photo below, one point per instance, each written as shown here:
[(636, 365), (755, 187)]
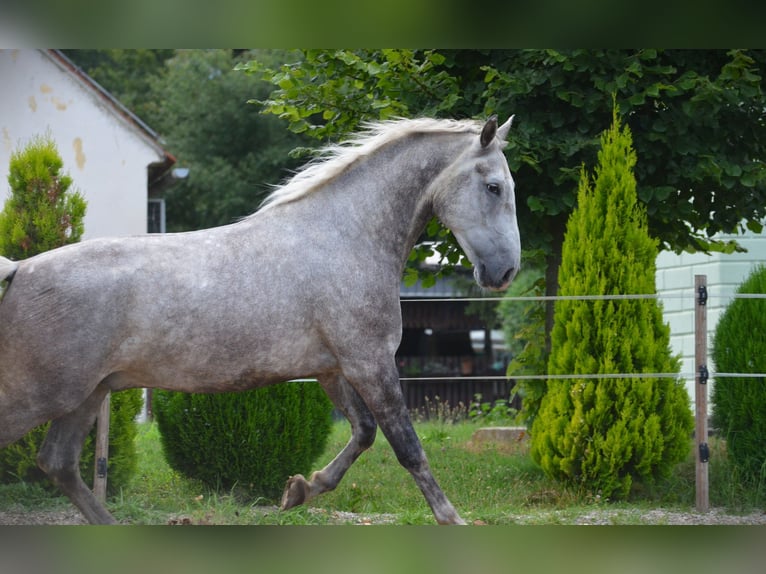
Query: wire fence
[(600, 376), (699, 298), (616, 297)]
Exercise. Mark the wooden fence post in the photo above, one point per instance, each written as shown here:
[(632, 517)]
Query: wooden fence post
[(700, 394), (102, 450)]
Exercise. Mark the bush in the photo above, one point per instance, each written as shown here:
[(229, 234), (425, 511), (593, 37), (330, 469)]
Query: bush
[(739, 403), (18, 460), (524, 329), (253, 440), (42, 212), (607, 435)]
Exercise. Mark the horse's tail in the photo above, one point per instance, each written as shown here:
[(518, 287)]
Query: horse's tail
[(7, 269)]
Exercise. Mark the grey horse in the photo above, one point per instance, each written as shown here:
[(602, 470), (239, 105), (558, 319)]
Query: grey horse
[(307, 286)]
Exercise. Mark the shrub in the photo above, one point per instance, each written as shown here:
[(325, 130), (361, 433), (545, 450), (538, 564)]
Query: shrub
[(253, 440), (609, 434), (524, 329), (739, 403), (43, 213)]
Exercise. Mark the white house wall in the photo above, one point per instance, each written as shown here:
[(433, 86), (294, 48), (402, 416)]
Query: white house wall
[(106, 156), (675, 278)]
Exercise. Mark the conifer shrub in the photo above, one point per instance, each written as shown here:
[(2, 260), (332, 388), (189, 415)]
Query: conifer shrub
[(43, 213), (739, 403), (610, 435), (251, 441)]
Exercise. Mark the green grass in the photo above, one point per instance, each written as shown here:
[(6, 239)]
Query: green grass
[(487, 485)]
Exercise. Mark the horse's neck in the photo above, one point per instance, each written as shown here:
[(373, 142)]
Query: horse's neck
[(386, 196)]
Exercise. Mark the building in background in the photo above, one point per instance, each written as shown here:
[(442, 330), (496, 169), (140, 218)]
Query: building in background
[(115, 160), (675, 287)]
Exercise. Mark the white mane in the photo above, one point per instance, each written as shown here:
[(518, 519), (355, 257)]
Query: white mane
[(334, 159)]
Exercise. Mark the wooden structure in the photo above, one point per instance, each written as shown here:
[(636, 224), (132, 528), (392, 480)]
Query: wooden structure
[(437, 359)]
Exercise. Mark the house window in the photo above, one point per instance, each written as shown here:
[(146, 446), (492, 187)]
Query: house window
[(156, 216)]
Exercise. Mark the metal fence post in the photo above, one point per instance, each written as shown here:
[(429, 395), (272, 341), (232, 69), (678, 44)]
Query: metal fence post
[(702, 454), (102, 450)]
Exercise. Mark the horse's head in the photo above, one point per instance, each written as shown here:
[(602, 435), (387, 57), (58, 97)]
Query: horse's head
[(474, 197)]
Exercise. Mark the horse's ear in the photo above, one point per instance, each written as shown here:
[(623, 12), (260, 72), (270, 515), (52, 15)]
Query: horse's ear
[(488, 131), (502, 131)]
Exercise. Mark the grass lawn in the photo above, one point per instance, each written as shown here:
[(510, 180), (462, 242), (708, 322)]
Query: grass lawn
[(487, 485)]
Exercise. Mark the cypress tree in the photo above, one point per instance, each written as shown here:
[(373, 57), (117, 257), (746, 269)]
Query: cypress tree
[(610, 434), (42, 212)]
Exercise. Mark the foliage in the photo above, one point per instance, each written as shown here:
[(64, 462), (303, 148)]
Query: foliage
[(128, 74), (697, 117), (233, 153), (499, 412), (254, 440), (523, 324), (739, 403), (198, 105), (337, 90), (42, 213), (609, 433)]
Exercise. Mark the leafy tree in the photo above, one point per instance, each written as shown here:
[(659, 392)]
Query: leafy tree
[(198, 105), (43, 213), (329, 93), (697, 117), (127, 74), (233, 153), (739, 403), (607, 433)]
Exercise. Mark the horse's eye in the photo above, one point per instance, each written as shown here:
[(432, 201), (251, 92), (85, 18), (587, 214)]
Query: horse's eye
[(493, 188)]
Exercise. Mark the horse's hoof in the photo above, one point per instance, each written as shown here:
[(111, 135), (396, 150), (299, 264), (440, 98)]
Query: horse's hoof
[(296, 492)]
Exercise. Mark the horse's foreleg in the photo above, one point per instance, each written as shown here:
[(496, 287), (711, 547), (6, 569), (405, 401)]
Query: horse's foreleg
[(363, 430), (59, 456), (383, 395)]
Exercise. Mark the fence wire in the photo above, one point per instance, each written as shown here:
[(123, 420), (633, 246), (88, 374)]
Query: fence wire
[(598, 376), (545, 298), (617, 297)]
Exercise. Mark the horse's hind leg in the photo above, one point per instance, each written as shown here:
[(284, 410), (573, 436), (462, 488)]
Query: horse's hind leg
[(59, 456), (363, 430), (381, 391)]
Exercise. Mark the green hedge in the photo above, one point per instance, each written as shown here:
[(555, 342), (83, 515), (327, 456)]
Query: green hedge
[(18, 460), (253, 440), (739, 403)]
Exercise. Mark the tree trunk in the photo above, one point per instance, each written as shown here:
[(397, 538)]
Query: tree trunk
[(552, 263)]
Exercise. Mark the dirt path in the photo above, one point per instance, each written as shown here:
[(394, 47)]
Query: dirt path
[(592, 517)]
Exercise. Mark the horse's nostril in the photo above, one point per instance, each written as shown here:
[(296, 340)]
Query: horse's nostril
[(508, 274)]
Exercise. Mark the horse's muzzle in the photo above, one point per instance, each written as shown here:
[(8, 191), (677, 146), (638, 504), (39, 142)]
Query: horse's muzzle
[(494, 281)]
